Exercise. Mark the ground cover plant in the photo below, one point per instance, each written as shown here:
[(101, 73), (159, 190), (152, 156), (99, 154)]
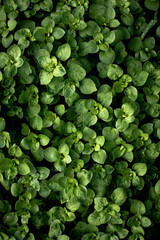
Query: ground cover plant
[(79, 120)]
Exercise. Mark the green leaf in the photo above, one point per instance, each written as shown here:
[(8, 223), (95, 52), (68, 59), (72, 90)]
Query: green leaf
[(63, 52), (22, 5), (157, 187), (51, 154), (107, 57), (122, 125), (140, 78), (63, 237), (3, 59), (103, 114), (152, 5), (14, 52), (36, 122), (46, 98), (58, 33), (45, 77), (44, 172), (98, 218), (91, 47), (10, 218), (59, 71), (110, 133), (131, 92), (44, 140), (145, 222), (84, 177), (48, 22), (6, 41), (5, 164), (89, 134), (140, 168), (119, 196), (105, 95), (64, 149), (100, 203), (158, 32), (39, 34), (122, 233), (46, 5), (127, 19), (55, 229), (39, 154), (16, 189), (76, 72), (25, 143), (87, 86), (23, 169), (80, 192), (44, 190), (138, 207), (114, 72), (100, 156), (2, 124)]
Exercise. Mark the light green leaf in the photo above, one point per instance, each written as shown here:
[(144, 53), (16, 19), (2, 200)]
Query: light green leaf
[(16, 189), (107, 57), (39, 34), (36, 122), (44, 140), (59, 71), (145, 222), (58, 33), (51, 154), (119, 195), (63, 52), (157, 187), (23, 168), (76, 72), (140, 78), (100, 156), (87, 86), (114, 72), (84, 177), (14, 52), (45, 77), (105, 95), (138, 207), (98, 218), (89, 134), (140, 168), (103, 114)]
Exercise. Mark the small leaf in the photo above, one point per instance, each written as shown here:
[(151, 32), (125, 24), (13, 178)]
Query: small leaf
[(16, 189), (87, 86), (5, 164), (51, 154), (64, 52), (10, 218), (138, 207), (23, 169), (157, 187), (119, 195), (76, 72), (100, 156), (140, 168)]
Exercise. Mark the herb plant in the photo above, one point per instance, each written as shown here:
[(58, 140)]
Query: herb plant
[(79, 120)]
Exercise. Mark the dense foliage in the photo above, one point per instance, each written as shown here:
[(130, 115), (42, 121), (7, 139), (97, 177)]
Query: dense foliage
[(79, 119)]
